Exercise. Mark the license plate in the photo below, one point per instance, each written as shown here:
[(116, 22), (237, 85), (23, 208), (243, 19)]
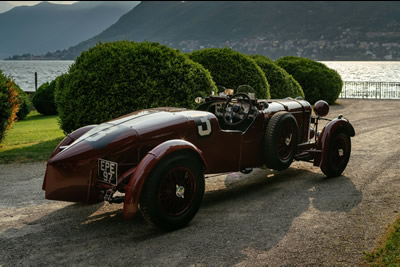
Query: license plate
[(108, 171)]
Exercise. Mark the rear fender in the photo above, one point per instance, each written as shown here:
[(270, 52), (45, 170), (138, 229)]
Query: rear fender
[(336, 125), (69, 139), (146, 165)]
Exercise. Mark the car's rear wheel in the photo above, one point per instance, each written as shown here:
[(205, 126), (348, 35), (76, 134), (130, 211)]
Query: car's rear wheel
[(280, 141), (173, 192), (338, 155)]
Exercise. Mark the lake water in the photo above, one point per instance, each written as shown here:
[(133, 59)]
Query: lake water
[(367, 71), (24, 71)]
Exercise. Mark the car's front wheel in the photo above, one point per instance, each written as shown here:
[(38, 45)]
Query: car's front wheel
[(338, 154), (173, 192)]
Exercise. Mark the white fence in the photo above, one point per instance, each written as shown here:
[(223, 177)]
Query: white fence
[(370, 90)]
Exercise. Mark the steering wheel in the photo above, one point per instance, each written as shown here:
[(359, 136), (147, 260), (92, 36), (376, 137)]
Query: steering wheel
[(237, 106)]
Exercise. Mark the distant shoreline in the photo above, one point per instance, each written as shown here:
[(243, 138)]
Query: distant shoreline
[(320, 60), (37, 59)]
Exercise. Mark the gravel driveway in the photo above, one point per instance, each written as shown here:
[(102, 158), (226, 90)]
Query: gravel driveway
[(294, 217)]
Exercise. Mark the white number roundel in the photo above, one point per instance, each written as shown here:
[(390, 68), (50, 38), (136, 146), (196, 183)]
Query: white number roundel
[(204, 128)]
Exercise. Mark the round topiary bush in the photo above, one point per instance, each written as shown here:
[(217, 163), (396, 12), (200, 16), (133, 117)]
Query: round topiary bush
[(281, 83), (60, 84), (43, 99), (231, 69), (9, 103), (116, 78), (25, 106), (317, 80)]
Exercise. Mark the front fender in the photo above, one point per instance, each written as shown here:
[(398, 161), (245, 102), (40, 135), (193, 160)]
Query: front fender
[(146, 165), (325, 137)]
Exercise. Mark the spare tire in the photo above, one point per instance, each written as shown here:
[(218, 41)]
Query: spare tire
[(280, 141)]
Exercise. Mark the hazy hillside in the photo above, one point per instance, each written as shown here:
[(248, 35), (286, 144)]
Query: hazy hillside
[(320, 30), (4, 6), (48, 27)]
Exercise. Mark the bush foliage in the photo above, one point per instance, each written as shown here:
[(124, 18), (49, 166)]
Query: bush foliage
[(317, 80), (281, 83), (231, 69), (116, 78), (43, 99), (25, 104), (9, 103)]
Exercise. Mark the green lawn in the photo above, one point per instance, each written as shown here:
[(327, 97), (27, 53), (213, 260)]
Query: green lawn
[(388, 252), (32, 139)]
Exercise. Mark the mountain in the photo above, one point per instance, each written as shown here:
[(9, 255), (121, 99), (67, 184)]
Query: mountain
[(47, 27), (5, 6), (322, 30)]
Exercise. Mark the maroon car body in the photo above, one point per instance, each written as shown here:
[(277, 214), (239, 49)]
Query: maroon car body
[(158, 157)]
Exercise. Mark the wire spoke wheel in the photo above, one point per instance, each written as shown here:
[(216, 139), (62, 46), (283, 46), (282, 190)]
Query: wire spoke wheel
[(286, 142), (338, 155), (173, 192), (177, 190), (338, 152)]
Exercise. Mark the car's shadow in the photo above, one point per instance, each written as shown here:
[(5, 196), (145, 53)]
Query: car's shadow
[(238, 212)]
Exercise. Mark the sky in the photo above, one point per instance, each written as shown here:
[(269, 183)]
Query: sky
[(31, 3)]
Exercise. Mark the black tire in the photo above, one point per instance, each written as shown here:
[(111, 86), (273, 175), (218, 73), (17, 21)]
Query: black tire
[(280, 141), (173, 192), (339, 150)]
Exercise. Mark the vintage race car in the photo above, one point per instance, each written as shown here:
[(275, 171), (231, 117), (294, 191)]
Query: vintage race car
[(157, 158)]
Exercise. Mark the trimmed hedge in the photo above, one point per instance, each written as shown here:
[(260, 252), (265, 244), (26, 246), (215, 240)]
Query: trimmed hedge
[(282, 84), (112, 79), (59, 91), (25, 106), (317, 80), (43, 99), (231, 69), (60, 84), (9, 103)]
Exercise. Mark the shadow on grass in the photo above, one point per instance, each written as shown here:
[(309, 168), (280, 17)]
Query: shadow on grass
[(39, 117), (37, 152)]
